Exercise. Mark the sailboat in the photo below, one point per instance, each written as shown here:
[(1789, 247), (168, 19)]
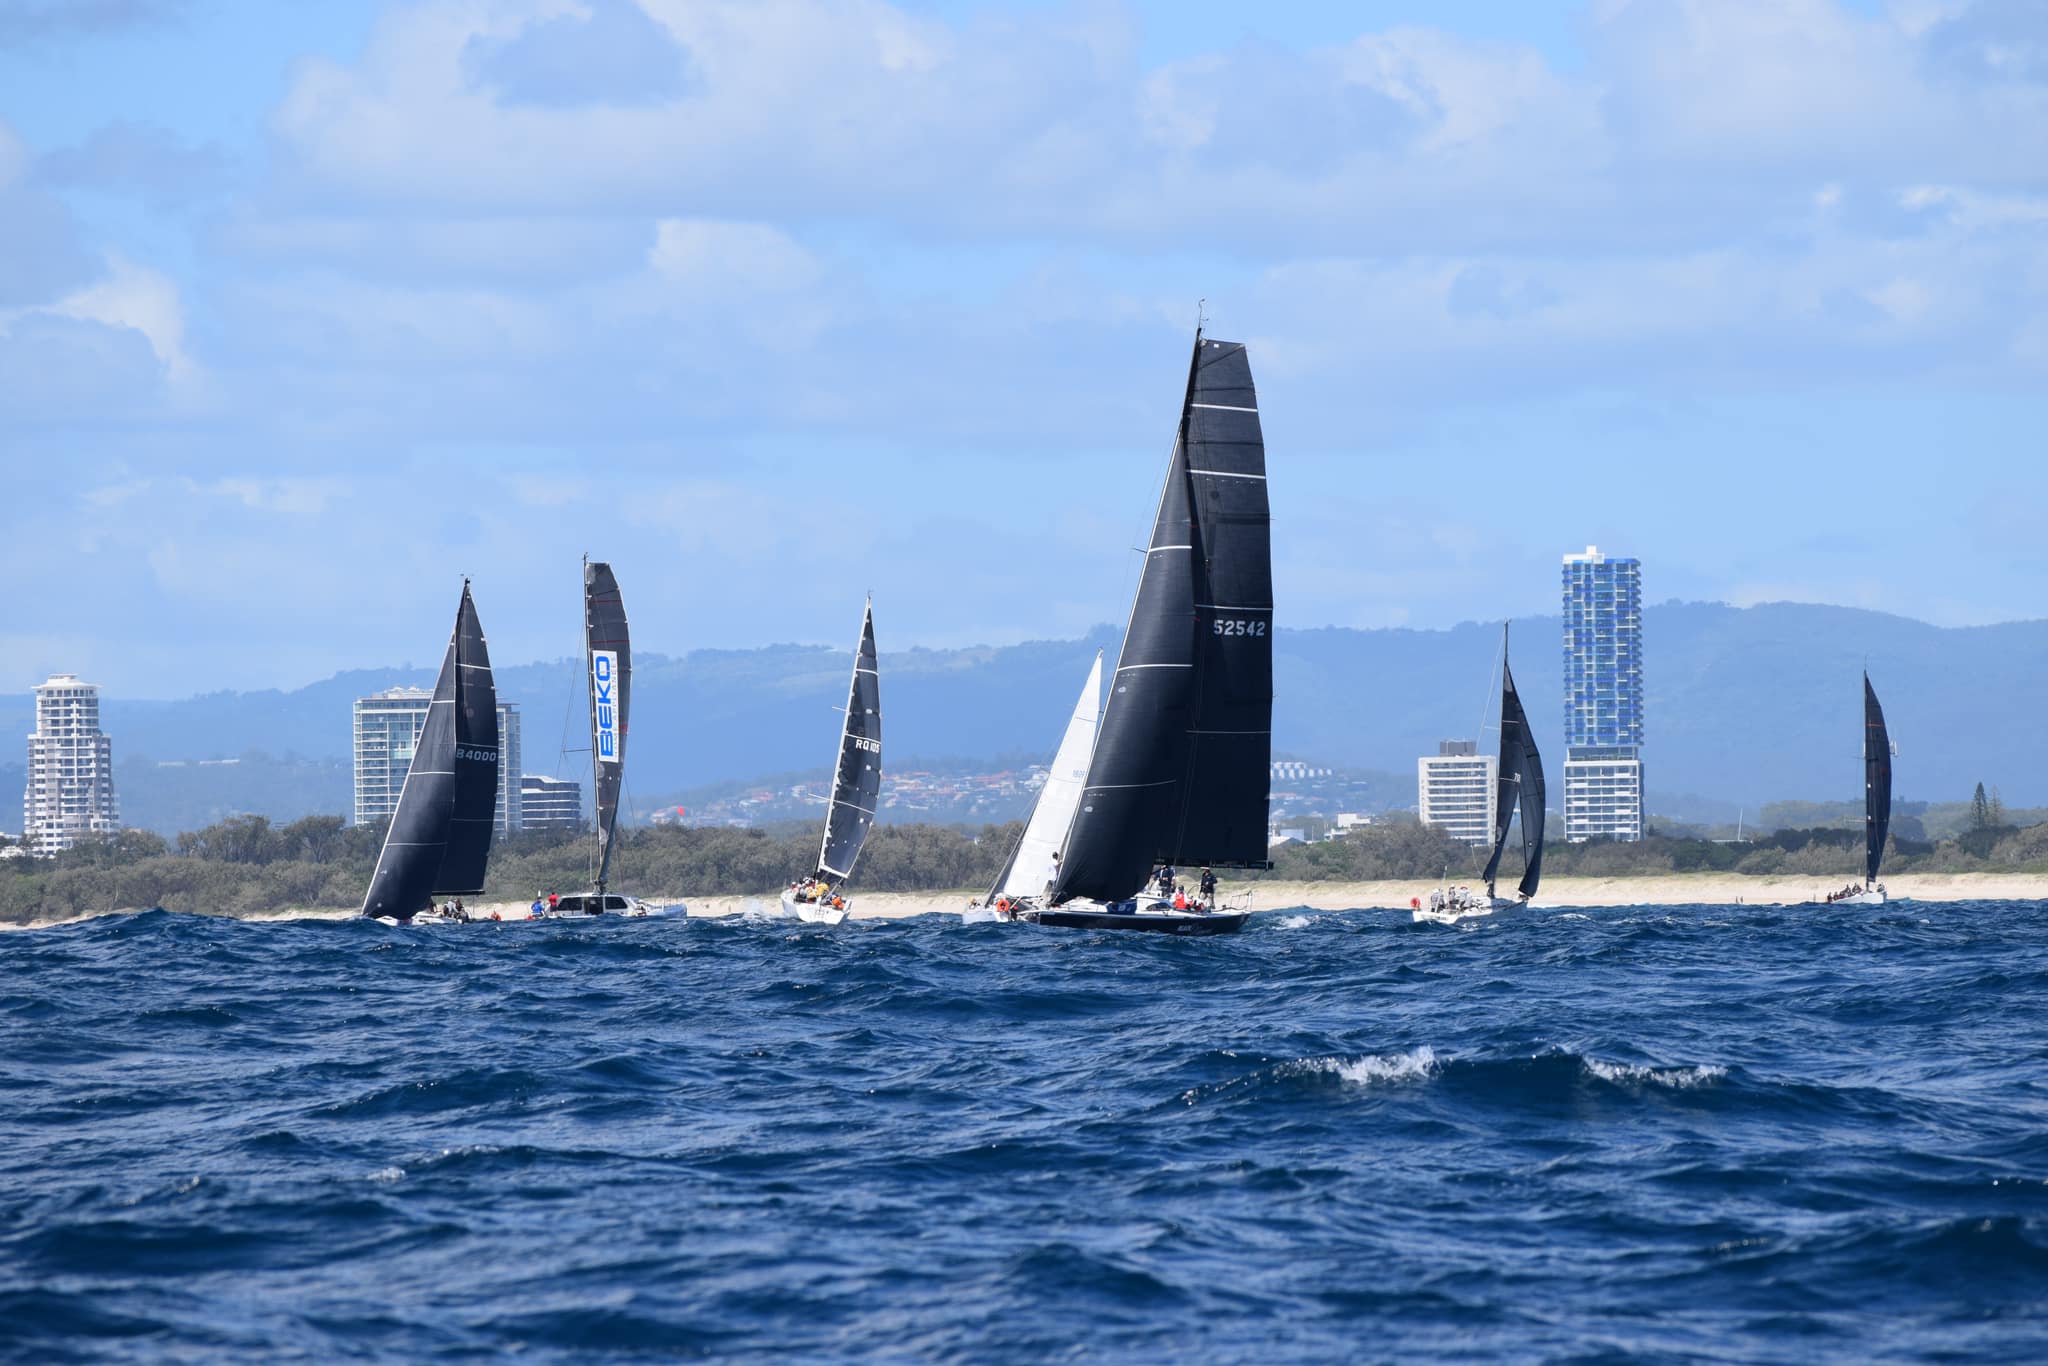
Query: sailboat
[(440, 835), (1518, 786), (1877, 802), (856, 789), (1029, 873), (608, 672), (1182, 762)]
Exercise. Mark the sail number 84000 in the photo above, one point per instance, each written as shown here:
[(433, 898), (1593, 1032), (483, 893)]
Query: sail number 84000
[(1238, 626)]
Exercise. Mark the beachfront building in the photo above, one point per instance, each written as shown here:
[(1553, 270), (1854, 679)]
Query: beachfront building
[(1603, 697), (387, 729), (70, 790), (1454, 790), (550, 803)]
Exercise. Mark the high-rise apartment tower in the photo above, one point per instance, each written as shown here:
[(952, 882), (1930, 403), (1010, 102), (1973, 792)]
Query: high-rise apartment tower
[(70, 789), (387, 730), (1603, 697)]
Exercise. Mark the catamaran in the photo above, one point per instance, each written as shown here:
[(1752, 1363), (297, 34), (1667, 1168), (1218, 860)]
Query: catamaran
[(1028, 875), (856, 790), (1877, 802), (1181, 766), (608, 674), (1518, 786), (440, 835)]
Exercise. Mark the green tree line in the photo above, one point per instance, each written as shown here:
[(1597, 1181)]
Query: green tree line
[(247, 866)]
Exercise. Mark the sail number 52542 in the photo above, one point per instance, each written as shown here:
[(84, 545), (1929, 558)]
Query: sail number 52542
[(1238, 626)]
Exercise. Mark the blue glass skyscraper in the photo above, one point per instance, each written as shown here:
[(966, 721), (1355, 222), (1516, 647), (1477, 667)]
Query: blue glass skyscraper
[(1603, 696)]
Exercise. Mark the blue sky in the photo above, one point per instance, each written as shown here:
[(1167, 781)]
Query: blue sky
[(307, 310)]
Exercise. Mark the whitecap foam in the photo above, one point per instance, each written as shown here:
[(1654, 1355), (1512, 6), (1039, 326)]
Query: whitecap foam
[(1377, 1067), (385, 1176), (1295, 922), (1678, 1078)]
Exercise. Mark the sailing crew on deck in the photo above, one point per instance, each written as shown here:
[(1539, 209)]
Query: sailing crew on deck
[(1208, 885), (1166, 880)]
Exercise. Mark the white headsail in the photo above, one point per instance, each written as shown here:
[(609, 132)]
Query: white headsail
[(1033, 867)]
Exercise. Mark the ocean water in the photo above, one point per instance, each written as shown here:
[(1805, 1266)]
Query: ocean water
[(1689, 1133)]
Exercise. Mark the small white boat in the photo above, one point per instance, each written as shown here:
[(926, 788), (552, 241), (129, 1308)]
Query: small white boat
[(827, 912), (856, 792), (1518, 788)]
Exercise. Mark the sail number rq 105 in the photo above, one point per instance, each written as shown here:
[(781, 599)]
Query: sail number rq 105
[(1237, 626)]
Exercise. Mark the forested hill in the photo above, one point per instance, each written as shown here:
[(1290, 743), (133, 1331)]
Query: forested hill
[(1744, 705)]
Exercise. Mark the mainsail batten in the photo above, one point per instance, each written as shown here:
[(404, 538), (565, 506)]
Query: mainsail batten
[(440, 837)]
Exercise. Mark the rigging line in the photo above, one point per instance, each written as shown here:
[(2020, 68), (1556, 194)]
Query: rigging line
[(1489, 702)]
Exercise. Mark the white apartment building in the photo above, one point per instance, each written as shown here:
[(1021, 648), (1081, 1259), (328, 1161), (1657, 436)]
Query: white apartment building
[(550, 803), (387, 730), (1454, 790), (1603, 794), (70, 789)]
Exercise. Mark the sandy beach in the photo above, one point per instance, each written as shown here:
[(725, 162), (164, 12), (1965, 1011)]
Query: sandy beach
[(1708, 889)]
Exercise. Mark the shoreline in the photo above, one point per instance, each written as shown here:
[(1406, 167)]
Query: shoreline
[(1651, 889)]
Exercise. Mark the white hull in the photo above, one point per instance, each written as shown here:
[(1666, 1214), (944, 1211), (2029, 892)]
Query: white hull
[(814, 912), (1875, 898)]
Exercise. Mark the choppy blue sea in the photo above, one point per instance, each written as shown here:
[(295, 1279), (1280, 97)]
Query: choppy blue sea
[(1690, 1133)]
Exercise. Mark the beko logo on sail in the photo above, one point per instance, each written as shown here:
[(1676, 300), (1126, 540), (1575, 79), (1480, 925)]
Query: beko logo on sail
[(604, 668)]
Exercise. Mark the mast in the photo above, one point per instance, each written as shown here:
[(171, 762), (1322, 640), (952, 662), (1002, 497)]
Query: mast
[(608, 670)]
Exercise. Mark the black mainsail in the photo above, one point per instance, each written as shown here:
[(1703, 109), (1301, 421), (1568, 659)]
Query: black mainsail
[(857, 783), (608, 657), (1518, 784), (1877, 783), (440, 836), (1182, 762)]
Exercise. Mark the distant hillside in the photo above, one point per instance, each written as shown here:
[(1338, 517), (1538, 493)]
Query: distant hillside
[(1744, 705)]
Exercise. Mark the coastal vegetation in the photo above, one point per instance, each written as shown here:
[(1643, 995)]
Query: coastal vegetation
[(248, 866)]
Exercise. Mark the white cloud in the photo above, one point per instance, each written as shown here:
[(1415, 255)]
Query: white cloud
[(143, 300)]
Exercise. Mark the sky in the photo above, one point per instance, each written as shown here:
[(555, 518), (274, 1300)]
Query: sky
[(306, 311)]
